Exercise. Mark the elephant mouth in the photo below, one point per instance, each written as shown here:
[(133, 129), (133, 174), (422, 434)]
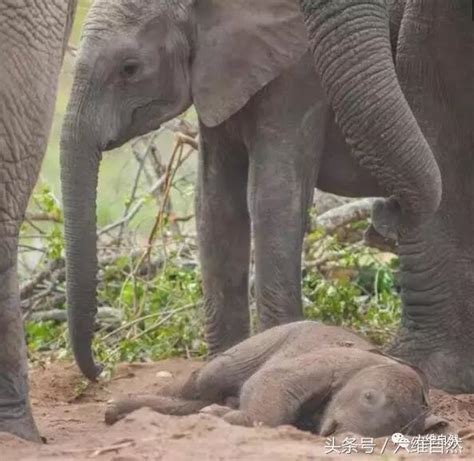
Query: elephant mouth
[(116, 143), (112, 144)]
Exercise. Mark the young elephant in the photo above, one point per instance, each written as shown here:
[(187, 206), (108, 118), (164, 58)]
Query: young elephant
[(322, 378)]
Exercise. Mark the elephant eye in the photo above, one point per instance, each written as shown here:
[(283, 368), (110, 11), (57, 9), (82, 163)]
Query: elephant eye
[(130, 68), (374, 399)]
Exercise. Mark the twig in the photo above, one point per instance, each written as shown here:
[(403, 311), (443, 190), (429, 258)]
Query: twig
[(154, 327), (60, 315), (31, 248), (159, 169), (161, 322), (27, 289), (34, 226), (111, 448), (141, 165), (139, 320), (185, 139), (168, 179), (171, 173), (31, 303), (141, 159), (134, 211), (40, 216), (182, 126), (182, 218)]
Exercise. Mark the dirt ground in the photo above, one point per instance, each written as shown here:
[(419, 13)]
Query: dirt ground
[(71, 419)]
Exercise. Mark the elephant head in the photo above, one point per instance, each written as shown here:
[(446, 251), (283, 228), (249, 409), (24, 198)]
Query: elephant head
[(140, 64), (377, 401)]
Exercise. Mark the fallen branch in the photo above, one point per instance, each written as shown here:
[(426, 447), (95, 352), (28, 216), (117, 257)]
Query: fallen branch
[(28, 288), (343, 215), (112, 448), (60, 315), (351, 212), (374, 240)]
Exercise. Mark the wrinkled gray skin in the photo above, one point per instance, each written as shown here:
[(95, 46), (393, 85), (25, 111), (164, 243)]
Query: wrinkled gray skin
[(268, 137), (435, 69), (322, 378), (33, 37)]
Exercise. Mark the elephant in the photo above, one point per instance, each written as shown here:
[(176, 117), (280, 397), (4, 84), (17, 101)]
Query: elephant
[(332, 95), (435, 70), (34, 36), (321, 378), (267, 138)]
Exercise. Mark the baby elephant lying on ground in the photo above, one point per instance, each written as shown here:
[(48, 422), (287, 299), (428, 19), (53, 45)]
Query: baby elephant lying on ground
[(313, 376)]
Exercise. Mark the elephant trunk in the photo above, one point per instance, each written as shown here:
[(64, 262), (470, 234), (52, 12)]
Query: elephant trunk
[(80, 160), (351, 46)]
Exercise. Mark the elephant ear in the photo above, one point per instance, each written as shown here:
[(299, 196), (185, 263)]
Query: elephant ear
[(241, 45), (435, 424)]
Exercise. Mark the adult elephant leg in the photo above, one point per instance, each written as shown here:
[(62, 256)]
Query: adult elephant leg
[(223, 226), (30, 57), (280, 196), (15, 411), (285, 138), (435, 67)]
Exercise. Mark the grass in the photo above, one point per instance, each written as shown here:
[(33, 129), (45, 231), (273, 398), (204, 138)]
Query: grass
[(161, 312)]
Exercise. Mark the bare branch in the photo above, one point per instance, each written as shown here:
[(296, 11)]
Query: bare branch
[(27, 289), (134, 211), (344, 215), (109, 314), (43, 217), (182, 126), (184, 139)]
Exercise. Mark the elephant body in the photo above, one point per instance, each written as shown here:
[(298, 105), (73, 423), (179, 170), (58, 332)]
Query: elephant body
[(33, 39), (268, 85), (260, 153), (326, 379)]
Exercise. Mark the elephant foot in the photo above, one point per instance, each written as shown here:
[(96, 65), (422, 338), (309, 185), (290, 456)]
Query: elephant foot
[(446, 368), (239, 418), (118, 409), (21, 426), (15, 410)]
